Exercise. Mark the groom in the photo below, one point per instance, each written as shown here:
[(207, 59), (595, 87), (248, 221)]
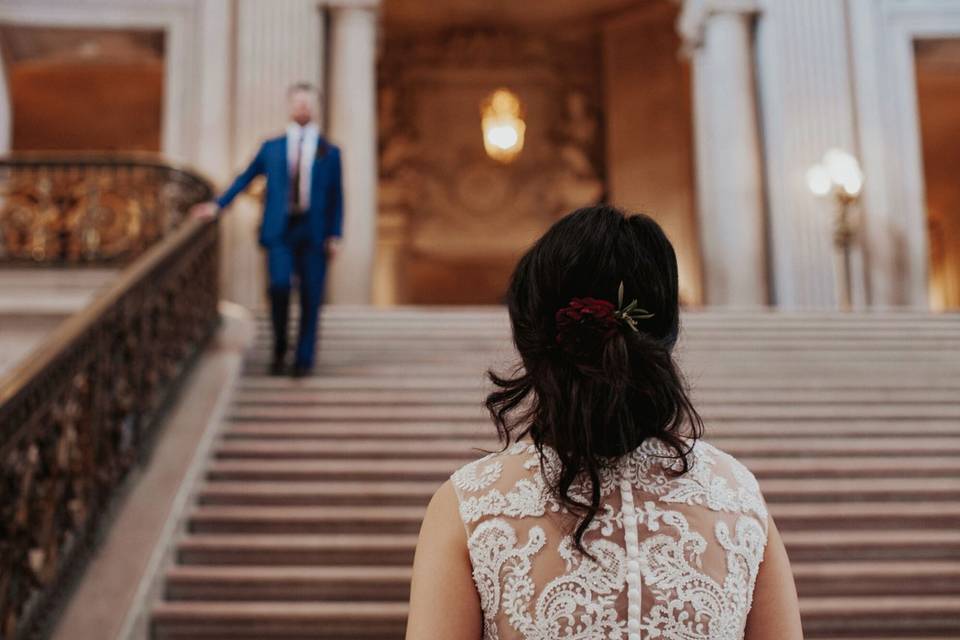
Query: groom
[(302, 221)]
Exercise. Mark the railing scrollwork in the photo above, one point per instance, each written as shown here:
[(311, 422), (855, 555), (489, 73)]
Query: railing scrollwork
[(79, 413)]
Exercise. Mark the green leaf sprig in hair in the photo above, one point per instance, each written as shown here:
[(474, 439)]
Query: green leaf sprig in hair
[(631, 313)]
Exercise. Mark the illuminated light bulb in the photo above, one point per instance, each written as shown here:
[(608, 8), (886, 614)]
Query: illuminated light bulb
[(852, 184), (839, 172), (818, 180), (503, 136), (502, 125), (844, 171)]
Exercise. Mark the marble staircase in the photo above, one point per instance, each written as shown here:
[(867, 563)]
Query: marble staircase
[(305, 521)]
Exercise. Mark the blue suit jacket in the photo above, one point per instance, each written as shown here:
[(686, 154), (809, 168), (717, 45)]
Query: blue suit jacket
[(325, 216)]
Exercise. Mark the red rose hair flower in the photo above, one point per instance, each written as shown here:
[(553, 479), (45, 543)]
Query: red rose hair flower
[(586, 323)]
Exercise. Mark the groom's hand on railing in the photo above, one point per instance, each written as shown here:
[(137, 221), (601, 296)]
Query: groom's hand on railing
[(332, 246), (205, 210)]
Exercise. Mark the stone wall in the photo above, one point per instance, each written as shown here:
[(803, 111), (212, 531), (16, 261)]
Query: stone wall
[(454, 221)]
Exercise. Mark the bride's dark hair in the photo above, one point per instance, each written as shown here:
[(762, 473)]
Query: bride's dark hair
[(591, 410)]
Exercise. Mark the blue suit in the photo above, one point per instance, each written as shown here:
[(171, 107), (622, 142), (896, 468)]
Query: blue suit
[(295, 248)]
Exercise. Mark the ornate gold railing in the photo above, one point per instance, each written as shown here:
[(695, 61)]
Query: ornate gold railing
[(78, 414), (89, 208)]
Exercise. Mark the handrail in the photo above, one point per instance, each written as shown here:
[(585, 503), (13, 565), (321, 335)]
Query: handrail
[(44, 360), (80, 412), (93, 207)]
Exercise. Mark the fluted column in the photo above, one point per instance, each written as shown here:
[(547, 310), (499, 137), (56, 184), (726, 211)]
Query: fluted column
[(352, 104), (6, 112), (718, 34), (275, 44), (215, 67), (804, 84)]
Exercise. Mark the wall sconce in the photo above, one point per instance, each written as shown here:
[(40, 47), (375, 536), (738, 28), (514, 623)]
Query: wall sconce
[(502, 124), (839, 176)]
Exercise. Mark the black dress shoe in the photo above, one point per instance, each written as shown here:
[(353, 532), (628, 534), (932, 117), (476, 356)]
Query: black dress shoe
[(301, 371), (277, 368)]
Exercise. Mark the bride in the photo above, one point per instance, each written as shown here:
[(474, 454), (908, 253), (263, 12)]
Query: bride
[(605, 515)]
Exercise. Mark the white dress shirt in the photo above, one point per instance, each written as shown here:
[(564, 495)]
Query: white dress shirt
[(308, 152)]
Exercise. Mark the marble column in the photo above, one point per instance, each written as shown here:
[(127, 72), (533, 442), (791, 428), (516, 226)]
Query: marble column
[(275, 44), (214, 79), (6, 111), (351, 100), (718, 36), (804, 87)]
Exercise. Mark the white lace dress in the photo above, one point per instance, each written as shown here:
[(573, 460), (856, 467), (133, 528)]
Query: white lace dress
[(677, 557)]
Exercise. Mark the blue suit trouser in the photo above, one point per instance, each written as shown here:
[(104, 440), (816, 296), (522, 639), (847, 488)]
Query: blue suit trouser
[(295, 257)]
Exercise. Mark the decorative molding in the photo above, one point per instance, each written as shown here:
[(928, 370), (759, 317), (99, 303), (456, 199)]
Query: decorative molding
[(692, 23), (372, 5), (176, 18)]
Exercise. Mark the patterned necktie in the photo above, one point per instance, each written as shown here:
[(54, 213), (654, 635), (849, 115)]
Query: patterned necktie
[(295, 177)]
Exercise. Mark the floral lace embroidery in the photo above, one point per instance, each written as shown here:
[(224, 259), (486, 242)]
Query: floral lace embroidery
[(469, 478), (526, 499), (690, 604), (493, 549), (577, 604), (581, 603)]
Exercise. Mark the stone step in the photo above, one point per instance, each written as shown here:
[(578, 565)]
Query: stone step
[(482, 429), (695, 325), (371, 620), (825, 617), (882, 545), (379, 549), (472, 397), (300, 520), (346, 413), (392, 583), (406, 519), (402, 448), (859, 578), (475, 379), (815, 332), (693, 321), (286, 583), (940, 546), (396, 493), (930, 368), (440, 469), (880, 348), (409, 493), (885, 616), (867, 516)]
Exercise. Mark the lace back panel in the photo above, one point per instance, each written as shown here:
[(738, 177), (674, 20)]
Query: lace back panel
[(676, 557)]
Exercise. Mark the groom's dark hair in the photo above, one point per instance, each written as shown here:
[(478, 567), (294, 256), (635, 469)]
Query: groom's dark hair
[(303, 86), (592, 411)]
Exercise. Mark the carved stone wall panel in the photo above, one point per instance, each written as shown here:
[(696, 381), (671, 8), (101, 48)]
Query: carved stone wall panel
[(466, 217)]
